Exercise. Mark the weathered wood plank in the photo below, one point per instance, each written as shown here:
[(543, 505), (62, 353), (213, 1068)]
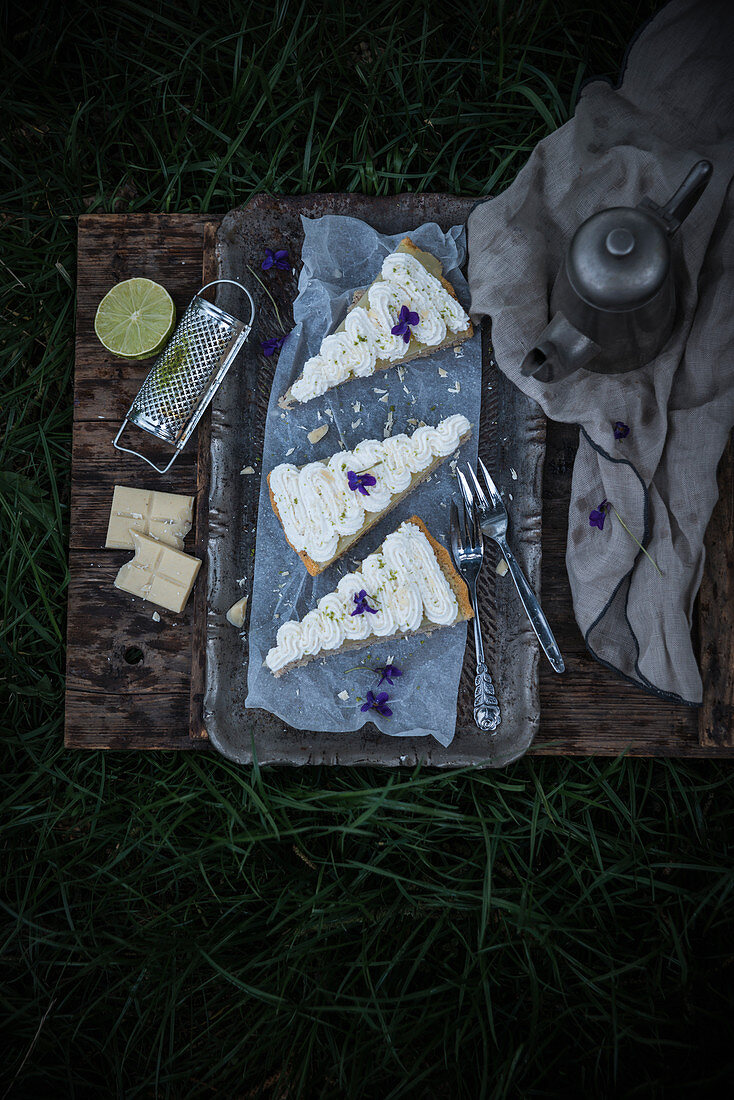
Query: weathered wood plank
[(127, 720), (197, 729), (111, 702), (164, 247), (716, 624), (107, 623)]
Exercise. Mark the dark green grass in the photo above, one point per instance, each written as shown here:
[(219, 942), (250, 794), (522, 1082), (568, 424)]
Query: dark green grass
[(175, 926)]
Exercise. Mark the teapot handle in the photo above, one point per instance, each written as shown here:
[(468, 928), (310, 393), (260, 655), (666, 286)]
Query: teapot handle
[(677, 208)]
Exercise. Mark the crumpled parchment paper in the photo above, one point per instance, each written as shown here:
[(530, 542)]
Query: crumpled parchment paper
[(340, 255)]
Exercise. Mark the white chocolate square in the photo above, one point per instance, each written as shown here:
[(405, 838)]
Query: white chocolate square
[(158, 573), (164, 516)]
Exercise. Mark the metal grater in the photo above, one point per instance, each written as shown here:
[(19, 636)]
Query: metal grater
[(187, 373)]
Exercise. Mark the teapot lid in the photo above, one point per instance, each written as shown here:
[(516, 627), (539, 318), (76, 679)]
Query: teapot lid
[(619, 258)]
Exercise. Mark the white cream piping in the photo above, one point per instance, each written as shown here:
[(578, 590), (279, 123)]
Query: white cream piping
[(404, 583), (367, 335), (316, 505)]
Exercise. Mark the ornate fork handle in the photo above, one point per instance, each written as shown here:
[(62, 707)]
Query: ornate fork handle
[(486, 708)]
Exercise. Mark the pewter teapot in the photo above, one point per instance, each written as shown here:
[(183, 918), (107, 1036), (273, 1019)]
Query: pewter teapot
[(613, 302)]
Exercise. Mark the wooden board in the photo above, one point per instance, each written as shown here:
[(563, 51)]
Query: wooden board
[(111, 703), (716, 617)]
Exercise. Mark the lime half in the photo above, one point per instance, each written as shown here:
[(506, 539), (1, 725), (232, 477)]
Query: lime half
[(135, 318)]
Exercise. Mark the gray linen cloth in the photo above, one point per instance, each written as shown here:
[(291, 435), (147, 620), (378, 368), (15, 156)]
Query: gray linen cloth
[(675, 105)]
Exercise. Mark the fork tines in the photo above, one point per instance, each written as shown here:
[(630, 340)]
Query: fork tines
[(477, 494), (493, 492), (472, 534)]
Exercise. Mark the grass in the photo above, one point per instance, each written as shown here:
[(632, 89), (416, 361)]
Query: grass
[(176, 926)]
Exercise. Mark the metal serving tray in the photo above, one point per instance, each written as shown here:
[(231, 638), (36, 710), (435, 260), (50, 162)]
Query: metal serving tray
[(511, 438)]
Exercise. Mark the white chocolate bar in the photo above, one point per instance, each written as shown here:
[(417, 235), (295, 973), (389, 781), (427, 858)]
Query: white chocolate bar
[(158, 573), (164, 516)]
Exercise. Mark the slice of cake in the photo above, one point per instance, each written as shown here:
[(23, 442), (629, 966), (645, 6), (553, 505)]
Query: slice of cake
[(326, 506), (409, 311), (407, 586)]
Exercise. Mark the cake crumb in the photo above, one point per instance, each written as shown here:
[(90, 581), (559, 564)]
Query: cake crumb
[(456, 388), (388, 424), (289, 451), (501, 567), (317, 434), (379, 391), (247, 470), (357, 406), (442, 373), (384, 399), (513, 473), (343, 695), (356, 423), (401, 372), (458, 352), (156, 617)]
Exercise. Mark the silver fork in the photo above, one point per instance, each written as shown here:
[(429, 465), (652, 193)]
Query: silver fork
[(468, 550), (492, 516)]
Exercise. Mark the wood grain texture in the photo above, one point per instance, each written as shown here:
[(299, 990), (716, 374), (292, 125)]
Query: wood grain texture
[(716, 624), (107, 622), (129, 721), (111, 704)]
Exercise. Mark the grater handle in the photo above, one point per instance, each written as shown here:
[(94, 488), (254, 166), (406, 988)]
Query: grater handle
[(130, 451), (244, 290)]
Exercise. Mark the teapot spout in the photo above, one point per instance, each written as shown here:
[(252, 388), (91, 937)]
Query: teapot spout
[(560, 350)]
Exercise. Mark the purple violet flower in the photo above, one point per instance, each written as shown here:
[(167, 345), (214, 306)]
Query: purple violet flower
[(387, 672), (405, 321), (360, 599), (274, 343), (621, 431), (598, 515), (378, 703), (277, 259), (357, 482)]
